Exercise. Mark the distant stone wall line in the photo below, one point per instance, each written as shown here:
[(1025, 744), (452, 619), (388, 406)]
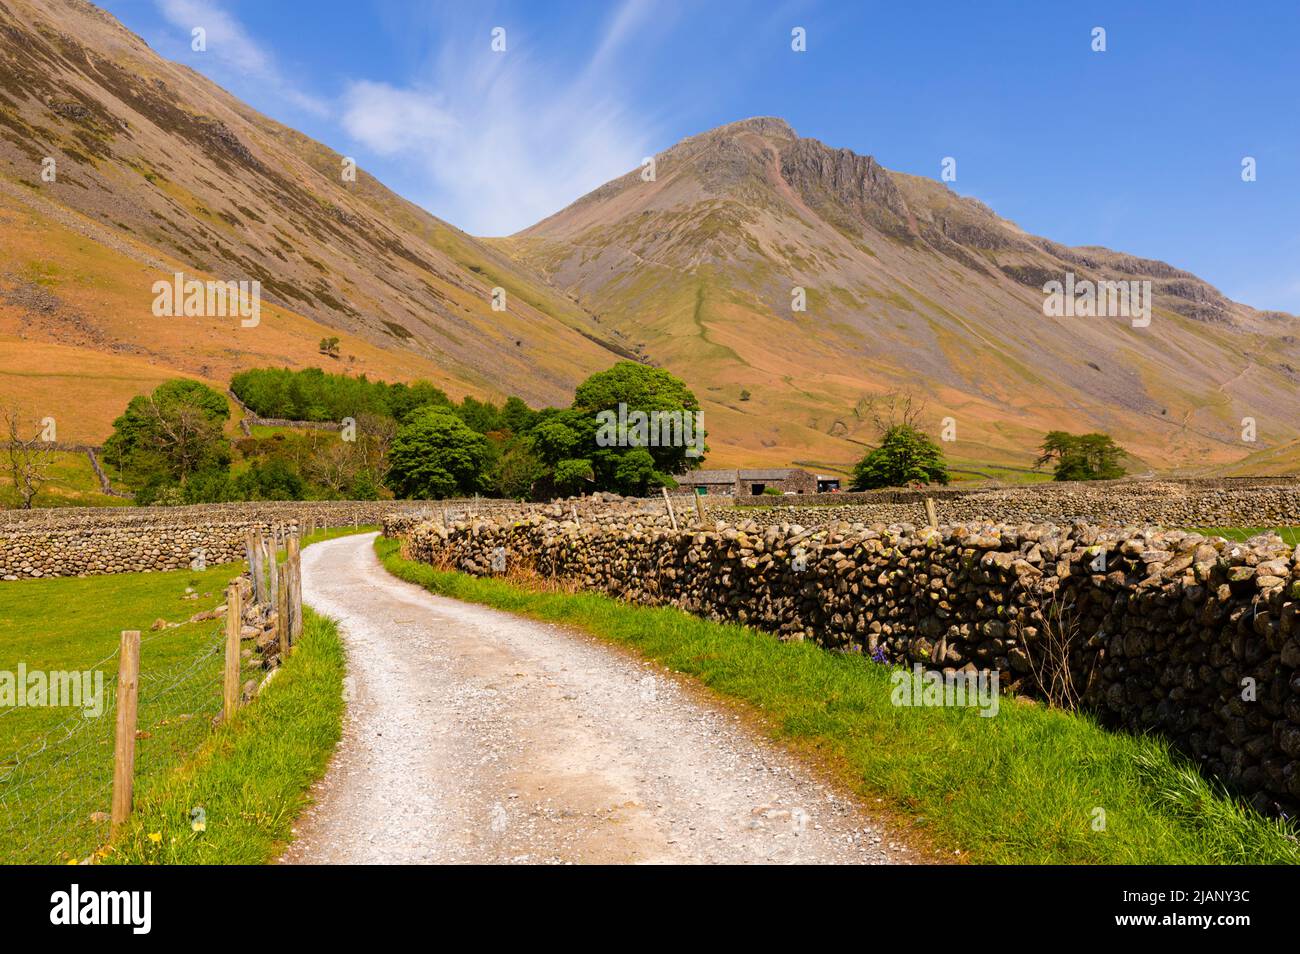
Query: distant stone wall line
[(40, 544)]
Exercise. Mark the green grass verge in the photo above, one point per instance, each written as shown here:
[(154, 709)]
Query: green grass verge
[(250, 778), (1022, 787), (1289, 535)]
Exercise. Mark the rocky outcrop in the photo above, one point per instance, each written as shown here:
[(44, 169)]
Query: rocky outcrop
[(845, 187)]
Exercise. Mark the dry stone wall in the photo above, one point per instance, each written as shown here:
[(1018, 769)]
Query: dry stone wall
[(90, 541), (1241, 502), (1158, 630)]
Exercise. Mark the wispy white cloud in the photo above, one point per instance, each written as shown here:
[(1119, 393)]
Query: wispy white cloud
[(391, 121), (230, 44), (505, 139)]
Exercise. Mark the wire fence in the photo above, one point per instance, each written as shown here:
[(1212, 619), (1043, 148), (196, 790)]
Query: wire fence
[(58, 781), (56, 790)]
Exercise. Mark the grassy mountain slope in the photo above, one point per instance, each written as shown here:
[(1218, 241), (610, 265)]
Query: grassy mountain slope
[(159, 170)]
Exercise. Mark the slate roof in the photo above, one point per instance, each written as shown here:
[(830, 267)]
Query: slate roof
[(729, 476)]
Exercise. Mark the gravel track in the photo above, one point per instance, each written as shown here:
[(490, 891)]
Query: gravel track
[(473, 735)]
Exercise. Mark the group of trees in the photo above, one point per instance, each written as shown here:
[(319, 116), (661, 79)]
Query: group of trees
[(170, 446), (314, 395), (907, 455), (514, 451)]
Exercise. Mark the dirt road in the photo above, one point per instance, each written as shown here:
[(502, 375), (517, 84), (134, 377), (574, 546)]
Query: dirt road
[(477, 736)]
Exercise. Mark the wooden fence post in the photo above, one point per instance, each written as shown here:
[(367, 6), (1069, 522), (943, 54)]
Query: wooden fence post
[(282, 621), (272, 575), (234, 624), (699, 506), (250, 554), (258, 568), (293, 573), (128, 684), (930, 516), (671, 516)]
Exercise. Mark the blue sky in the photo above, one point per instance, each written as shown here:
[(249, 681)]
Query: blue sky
[(1138, 148)]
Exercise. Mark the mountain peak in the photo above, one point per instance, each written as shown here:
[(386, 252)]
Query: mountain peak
[(770, 126), (906, 285)]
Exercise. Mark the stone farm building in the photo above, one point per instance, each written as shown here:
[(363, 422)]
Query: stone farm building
[(745, 483)]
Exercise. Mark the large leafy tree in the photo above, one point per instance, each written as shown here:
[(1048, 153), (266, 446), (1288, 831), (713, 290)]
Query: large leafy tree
[(1093, 456), (436, 455), (170, 435), (906, 455), (634, 467), (562, 440)]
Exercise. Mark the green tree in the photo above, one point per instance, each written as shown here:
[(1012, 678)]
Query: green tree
[(436, 455), (563, 435), (573, 476), (171, 434), (481, 416), (518, 471), (275, 479), (635, 474), (517, 416), (1093, 456), (906, 455), (637, 387)]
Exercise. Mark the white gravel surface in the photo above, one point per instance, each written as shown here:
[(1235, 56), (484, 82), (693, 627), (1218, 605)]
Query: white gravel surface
[(473, 735)]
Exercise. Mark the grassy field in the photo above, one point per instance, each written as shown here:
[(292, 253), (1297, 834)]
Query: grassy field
[(71, 482), (1031, 785), (56, 765), (234, 802)]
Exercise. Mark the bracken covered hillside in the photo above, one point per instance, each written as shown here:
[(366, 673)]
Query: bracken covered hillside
[(160, 170)]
